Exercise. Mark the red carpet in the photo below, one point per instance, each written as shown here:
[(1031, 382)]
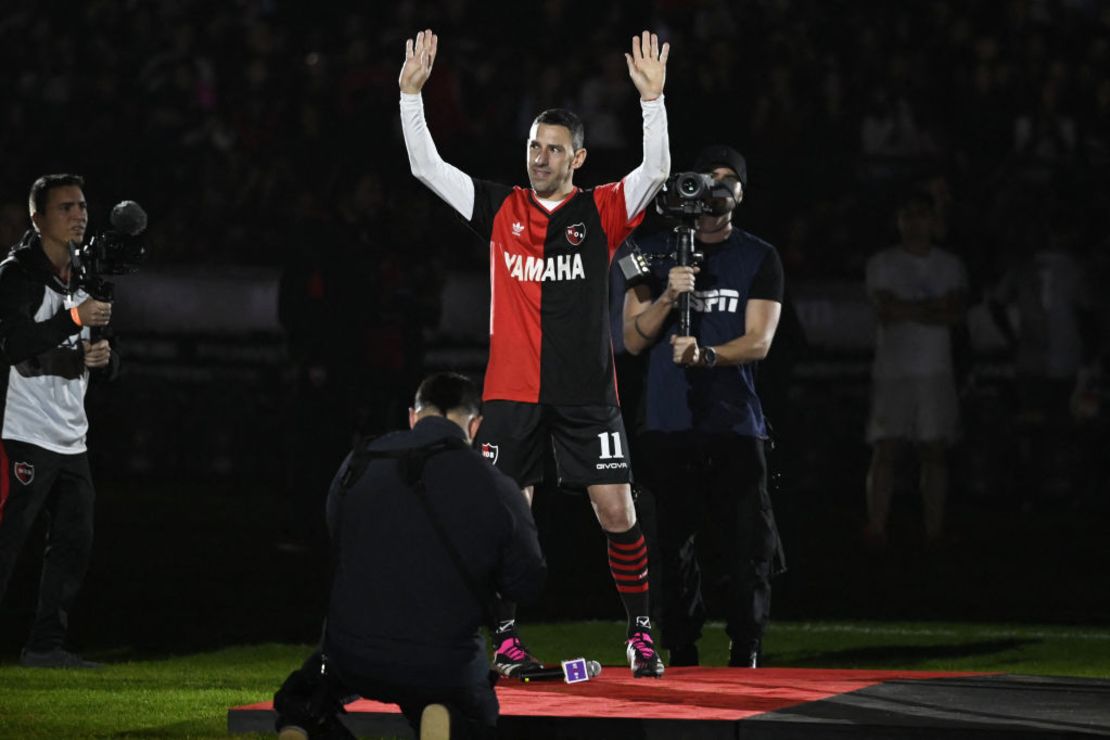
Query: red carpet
[(772, 704), (684, 693), (688, 693)]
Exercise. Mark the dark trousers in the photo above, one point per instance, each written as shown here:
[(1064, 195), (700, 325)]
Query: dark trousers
[(474, 708), (711, 492), (33, 479)]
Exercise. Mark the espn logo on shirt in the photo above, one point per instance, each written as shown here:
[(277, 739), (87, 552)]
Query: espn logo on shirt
[(722, 300), (612, 454), (489, 452)]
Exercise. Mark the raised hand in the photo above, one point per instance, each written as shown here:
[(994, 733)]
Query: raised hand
[(420, 55), (647, 65)]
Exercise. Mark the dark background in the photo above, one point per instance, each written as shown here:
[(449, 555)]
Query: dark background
[(301, 281)]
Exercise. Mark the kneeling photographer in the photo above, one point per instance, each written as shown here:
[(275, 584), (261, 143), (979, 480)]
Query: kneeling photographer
[(48, 351), (425, 531), (705, 300)]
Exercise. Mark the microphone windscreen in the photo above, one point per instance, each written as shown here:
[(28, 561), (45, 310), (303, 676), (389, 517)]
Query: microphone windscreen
[(593, 668), (128, 217)]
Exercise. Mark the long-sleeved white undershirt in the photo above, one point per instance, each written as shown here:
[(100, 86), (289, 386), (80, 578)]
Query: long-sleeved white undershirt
[(456, 188)]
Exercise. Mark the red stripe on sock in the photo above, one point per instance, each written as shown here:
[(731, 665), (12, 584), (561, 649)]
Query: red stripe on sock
[(642, 588), (636, 567), (627, 546), (627, 557)]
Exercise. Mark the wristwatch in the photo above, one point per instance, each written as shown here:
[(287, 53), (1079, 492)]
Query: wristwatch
[(709, 357)]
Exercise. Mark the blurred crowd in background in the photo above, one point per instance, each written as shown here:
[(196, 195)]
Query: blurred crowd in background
[(252, 128), (262, 132)]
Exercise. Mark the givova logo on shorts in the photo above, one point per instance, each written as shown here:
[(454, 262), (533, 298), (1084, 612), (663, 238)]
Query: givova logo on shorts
[(611, 451)]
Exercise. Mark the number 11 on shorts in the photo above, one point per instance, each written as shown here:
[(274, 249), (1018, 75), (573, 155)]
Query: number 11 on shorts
[(615, 451)]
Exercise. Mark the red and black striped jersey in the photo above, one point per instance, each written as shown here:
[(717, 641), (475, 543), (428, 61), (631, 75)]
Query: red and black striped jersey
[(549, 292)]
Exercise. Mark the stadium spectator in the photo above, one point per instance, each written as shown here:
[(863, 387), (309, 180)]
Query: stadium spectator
[(919, 291)]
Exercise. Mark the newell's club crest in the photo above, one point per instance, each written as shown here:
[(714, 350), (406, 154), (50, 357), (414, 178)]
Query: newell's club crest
[(24, 472), (489, 452), (576, 233)]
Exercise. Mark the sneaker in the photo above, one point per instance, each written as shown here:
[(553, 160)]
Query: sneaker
[(642, 657), (745, 655), (686, 655), (512, 657), (435, 723), (56, 658)]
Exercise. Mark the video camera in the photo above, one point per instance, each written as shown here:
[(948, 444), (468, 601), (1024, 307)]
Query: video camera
[(684, 197), (687, 195), (114, 251)]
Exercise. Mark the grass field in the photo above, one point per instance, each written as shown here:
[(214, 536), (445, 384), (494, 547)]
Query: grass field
[(188, 696), (197, 610)]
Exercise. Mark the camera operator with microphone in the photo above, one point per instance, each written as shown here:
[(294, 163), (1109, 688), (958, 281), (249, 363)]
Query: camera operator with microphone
[(702, 451), (48, 354)]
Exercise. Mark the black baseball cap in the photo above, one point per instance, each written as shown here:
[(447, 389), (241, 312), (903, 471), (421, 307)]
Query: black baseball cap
[(720, 155)]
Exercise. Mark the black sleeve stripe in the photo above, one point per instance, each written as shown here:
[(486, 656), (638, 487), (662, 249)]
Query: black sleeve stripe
[(488, 197), (21, 337)]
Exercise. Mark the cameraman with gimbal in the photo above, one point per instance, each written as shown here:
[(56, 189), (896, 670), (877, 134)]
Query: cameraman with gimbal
[(707, 305), (47, 353)]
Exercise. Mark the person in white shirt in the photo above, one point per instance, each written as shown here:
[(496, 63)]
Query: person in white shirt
[(1055, 347), (919, 292)]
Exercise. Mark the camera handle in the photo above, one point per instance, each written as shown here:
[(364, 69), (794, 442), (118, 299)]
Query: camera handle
[(96, 333), (104, 291), (685, 257)]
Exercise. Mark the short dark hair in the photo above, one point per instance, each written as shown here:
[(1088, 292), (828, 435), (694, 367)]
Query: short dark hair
[(566, 119), (448, 391), (40, 189)]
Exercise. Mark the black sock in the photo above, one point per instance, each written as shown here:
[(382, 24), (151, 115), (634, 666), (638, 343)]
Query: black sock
[(505, 614), (628, 562)]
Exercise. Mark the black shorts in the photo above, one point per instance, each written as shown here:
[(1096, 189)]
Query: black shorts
[(589, 442)]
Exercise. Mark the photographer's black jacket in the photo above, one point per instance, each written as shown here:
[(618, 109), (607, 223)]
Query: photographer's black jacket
[(399, 607), (43, 377)]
